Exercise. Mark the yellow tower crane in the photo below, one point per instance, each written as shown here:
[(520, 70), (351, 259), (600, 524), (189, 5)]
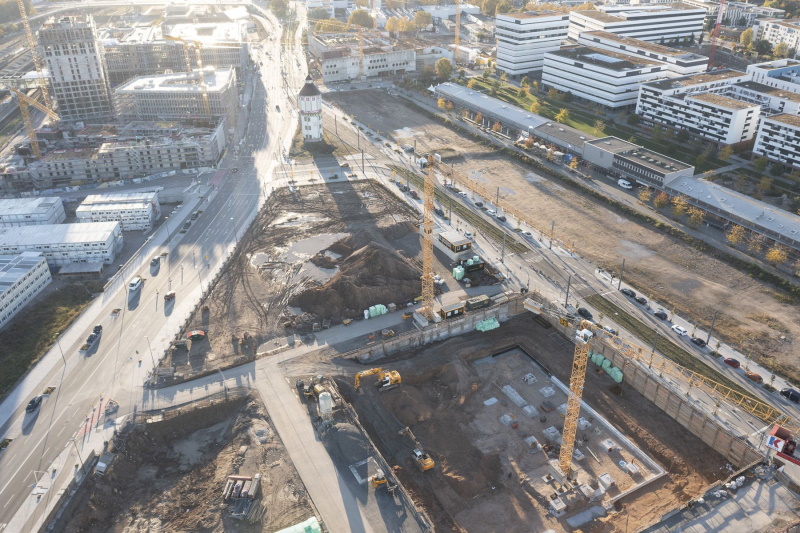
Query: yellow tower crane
[(37, 59), (427, 242), (24, 103), (197, 45), (458, 32)]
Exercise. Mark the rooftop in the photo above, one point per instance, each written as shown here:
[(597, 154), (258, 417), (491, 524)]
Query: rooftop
[(653, 160), (605, 59), (66, 155), (638, 43), (208, 32), (790, 120), (27, 206), (57, 234), (722, 101), (571, 137), (598, 16), (13, 267), (771, 91), (132, 198), (778, 63), (530, 15), (216, 80), (694, 79), (506, 113)]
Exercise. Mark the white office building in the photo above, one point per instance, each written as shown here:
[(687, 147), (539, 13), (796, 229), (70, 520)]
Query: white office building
[(75, 64), (31, 211), (778, 31), (62, 244), (779, 139), (338, 55), (22, 277), (676, 62), (652, 23), (698, 104), (524, 38), (782, 74), (133, 210), (606, 78)]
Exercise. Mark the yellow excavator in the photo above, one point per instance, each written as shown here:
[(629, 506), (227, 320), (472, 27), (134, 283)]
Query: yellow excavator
[(387, 380), (423, 460), (378, 479)]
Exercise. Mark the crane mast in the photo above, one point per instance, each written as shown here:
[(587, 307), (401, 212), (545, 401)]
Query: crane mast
[(37, 59), (24, 108)]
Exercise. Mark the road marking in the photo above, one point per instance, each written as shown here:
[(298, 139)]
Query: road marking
[(6, 505)]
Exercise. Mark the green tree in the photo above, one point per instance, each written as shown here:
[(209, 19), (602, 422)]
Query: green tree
[(781, 50), (562, 116), (489, 7), (495, 86), (522, 92), (422, 19), (764, 184), (633, 119), (726, 152), (736, 234), (760, 163), (525, 82), (535, 107), (505, 6), (360, 17), (444, 68), (776, 169), (504, 77), (552, 93), (658, 132), (661, 200), (279, 7), (682, 136), (746, 39), (763, 48), (319, 13), (535, 86)]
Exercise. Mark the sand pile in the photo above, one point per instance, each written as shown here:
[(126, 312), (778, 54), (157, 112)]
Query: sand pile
[(346, 443), (371, 271)]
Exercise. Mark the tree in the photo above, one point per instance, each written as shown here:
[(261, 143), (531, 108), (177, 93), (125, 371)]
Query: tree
[(755, 243), (777, 255), (504, 77), (763, 48), (645, 194), (726, 152), (450, 105), (781, 50), (444, 68), (679, 206), (479, 118), (736, 234), (552, 93), (489, 7), (535, 86), (496, 127), (760, 163), (764, 184), (525, 82), (696, 216), (471, 84), (658, 132), (505, 6), (522, 92), (700, 160), (319, 13), (535, 107), (682, 136), (442, 103), (661, 200), (528, 142), (360, 17), (494, 87), (486, 72), (462, 73), (746, 39), (573, 164), (392, 24), (633, 120), (279, 7), (422, 19), (563, 115), (599, 126)]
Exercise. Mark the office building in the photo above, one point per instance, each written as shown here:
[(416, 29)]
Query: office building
[(779, 139), (133, 210), (778, 31), (654, 23), (31, 211), (180, 97), (61, 244), (634, 162), (524, 38), (310, 103), (338, 55), (676, 62), (75, 64), (22, 277), (782, 74)]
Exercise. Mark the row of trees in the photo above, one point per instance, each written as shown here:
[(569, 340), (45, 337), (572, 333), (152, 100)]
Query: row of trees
[(764, 48)]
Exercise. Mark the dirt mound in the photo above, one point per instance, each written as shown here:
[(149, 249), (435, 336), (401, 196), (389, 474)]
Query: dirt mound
[(347, 443), (410, 406)]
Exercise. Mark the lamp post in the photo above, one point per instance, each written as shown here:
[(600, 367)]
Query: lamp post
[(58, 342), (153, 359)]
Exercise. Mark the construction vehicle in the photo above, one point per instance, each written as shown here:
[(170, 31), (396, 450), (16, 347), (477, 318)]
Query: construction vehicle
[(304, 389), (423, 461), (387, 380), (378, 479)]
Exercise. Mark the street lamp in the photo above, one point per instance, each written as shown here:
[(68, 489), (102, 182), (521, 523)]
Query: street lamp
[(151, 353), (58, 342)]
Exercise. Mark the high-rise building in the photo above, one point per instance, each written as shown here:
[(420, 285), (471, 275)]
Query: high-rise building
[(75, 64), (524, 38), (654, 23), (310, 102)]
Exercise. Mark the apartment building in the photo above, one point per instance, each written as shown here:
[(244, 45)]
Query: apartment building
[(524, 38), (676, 62), (134, 210), (338, 55), (31, 211), (698, 104), (779, 139), (74, 61), (778, 31), (180, 96), (22, 277), (606, 78), (645, 22), (61, 244), (781, 74), (737, 13), (771, 99)]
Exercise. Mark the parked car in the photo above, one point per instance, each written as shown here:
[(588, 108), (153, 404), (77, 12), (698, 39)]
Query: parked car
[(699, 342), (468, 234), (155, 261), (627, 292), (135, 284), (732, 362), (585, 313), (187, 224), (462, 193), (439, 211), (661, 314), (752, 376), (641, 300), (528, 234), (791, 395), (610, 330), (169, 296), (501, 218), (34, 404), (491, 212), (97, 329), (345, 165), (414, 195), (195, 215), (680, 330), (92, 338), (478, 204)]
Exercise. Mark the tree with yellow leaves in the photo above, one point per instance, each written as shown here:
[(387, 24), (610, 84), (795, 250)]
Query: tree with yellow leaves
[(736, 234)]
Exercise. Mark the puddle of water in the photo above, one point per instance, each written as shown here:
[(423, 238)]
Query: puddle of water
[(310, 270), (332, 255), (305, 248), (296, 219)]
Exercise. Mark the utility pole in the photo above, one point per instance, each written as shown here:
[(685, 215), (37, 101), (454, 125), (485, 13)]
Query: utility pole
[(621, 272), (153, 359), (711, 329), (450, 216), (569, 282), (503, 249), (497, 199), (552, 232)]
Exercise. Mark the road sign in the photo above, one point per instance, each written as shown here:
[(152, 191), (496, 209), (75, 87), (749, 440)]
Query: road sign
[(775, 443)]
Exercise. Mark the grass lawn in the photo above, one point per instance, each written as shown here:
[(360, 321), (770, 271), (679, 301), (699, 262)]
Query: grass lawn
[(31, 333)]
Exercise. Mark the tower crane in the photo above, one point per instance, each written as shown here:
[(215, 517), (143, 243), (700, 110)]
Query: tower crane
[(715, 34), (428, 291), (25, 102), (37, 59), (199, 61)]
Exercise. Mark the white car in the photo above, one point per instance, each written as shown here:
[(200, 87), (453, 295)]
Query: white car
[(462, 193), (680, 330), (135, 284), (468, 234), (528, 234), (491, 212)]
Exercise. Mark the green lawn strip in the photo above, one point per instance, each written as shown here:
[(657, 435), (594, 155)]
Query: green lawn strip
[(664, 345), (474, 219), (28, 337)]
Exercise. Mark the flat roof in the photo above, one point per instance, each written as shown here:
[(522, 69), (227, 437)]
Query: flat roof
[(766, 89), (694, 79), (28, 206), (66, 155), (531, 15), (57, 234), (638, 43), (654, 160), (130, 200), (573, 138), (13, 267), (210, 32), (454, 238), (503, 111), (784, 118), (722, 101), (613, 144), (605, 59), (749, 209), (216, 80), (598, 16)]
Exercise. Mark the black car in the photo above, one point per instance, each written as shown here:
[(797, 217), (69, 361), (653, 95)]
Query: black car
[(699, 342), (585, 313), (33, 404), (629, 293), (92, 338), (439, 212), (187, 224), (98, 329), (478, 204), (641, 300), (154, 261), (501, 218), (661, 314), (791, 395)]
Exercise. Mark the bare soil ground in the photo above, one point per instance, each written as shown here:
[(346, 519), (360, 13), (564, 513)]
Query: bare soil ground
[(753, 316), (169, 476), (329, 251), (477, 489)]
